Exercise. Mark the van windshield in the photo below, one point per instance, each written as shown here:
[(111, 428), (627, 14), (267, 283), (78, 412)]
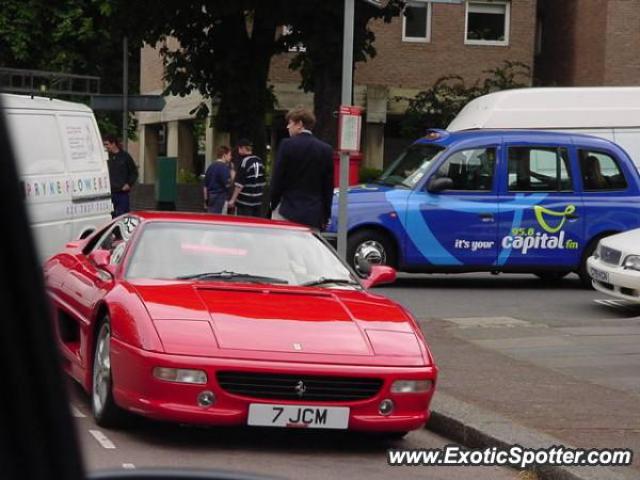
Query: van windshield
[(411, 165)]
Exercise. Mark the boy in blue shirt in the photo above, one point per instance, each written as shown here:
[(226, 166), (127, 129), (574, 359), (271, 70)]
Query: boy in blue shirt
[(217, 180)]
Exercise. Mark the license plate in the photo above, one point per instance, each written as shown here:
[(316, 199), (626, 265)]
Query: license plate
[(599, 275), (298, 416)]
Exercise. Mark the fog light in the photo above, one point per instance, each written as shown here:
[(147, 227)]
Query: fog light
[(206, 399), (386, 407), (180, 375), (411, 386)]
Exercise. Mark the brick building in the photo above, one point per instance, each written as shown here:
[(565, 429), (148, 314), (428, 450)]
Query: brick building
[(433, 39), (588, 42)]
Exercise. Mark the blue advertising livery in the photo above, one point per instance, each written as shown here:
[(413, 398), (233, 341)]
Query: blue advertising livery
[(490, 200)]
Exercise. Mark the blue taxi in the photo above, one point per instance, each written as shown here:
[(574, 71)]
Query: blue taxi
[(493, 200)]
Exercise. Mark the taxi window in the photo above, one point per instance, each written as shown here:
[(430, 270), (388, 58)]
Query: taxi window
[(412, 164), (600, 171), (470, 170), (539, 169)]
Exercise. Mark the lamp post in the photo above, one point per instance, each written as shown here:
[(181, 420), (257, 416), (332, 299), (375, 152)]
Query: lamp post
[(347, 95)]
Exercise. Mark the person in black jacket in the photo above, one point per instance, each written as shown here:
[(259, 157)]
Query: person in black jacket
[(123, 173), (302, 180)]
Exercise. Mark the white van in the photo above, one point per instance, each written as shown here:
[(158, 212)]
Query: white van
[(612, 113), (62, 166)]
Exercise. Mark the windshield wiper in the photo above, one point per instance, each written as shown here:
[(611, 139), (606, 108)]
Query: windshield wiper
[(228, 275), (324, 280)]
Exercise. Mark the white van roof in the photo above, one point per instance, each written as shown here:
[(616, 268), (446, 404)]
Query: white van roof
[(40, 103), (552, 108)]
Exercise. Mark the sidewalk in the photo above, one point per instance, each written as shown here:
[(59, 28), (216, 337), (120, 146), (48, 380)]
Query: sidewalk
[(486, 398)]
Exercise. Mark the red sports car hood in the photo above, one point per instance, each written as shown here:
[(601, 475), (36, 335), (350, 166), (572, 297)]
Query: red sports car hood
[(281, 323)]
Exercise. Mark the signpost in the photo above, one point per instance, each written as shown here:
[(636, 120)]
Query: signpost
[(349, 128)]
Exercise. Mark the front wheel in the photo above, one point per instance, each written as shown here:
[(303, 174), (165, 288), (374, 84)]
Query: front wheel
[(105, 411), (583, 272), (366, 248)]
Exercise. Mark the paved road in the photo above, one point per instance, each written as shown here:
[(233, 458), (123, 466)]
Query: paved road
[(560, 326), (273, 452)]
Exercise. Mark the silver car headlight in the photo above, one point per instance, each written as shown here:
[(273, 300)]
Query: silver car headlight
[(632, 262)]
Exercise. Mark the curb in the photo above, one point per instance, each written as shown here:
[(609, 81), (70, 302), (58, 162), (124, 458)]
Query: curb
[(476, 428)]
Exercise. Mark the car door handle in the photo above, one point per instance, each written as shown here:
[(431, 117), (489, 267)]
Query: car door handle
[(486, 217)]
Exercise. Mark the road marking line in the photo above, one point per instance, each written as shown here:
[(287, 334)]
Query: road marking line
[(75, 412), (128, 466), (102, 439)]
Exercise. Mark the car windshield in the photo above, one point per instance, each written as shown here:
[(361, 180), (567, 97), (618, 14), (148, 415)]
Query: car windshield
[(235, 253), (411, 165)]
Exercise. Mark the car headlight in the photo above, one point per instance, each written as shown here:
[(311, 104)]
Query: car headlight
[(180, 375), (632, 262), (411, 386)]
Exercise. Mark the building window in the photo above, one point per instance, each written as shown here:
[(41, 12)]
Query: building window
[(487, 23), (299, 47), (416, 22)]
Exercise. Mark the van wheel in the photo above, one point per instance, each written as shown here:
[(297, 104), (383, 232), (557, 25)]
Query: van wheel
[(105, 411), (551, 276), (370, 247)]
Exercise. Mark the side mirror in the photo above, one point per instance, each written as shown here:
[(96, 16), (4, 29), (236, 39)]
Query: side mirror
[(380, 275), (100, 259), (435, 185)]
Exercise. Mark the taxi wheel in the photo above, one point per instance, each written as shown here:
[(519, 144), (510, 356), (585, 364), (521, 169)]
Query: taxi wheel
[(105, 411), (585, 278), (370, 247)]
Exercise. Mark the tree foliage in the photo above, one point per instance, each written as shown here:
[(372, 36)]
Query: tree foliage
[(438, 106), (319, 26), (223, 51), (81, 37)]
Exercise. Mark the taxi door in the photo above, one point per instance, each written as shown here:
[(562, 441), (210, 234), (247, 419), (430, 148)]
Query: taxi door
[(541, 219), (455, 226)]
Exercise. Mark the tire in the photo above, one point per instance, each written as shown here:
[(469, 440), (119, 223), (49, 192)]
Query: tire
[(105, 411), (370, 247), (585, 278), (551, 276)]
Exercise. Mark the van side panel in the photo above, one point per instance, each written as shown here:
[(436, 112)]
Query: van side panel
[(86, 162), (63, 170)]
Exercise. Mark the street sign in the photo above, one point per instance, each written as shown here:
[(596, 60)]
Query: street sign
[(135, 103), (349, 128)]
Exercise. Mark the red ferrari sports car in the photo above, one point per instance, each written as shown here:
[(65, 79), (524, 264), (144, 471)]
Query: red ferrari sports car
[(234, 321)]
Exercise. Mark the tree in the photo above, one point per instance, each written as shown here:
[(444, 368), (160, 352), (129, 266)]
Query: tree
[(438, 106), (318, 25), (224, 52), (68, 36)]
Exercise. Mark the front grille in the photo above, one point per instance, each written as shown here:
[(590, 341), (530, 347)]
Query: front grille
[(299, 387), (610, 256)]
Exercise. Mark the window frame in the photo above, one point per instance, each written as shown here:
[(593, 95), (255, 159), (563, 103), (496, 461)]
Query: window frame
[(615, 160), (427, 37), (559, 158), (489, 191), (507, 23)]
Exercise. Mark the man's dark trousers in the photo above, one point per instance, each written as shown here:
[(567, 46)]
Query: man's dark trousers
[(248, 211), (120, 202)]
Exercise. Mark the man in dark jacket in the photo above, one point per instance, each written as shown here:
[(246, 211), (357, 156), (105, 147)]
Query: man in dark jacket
[(302, 180), (123, 173)]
